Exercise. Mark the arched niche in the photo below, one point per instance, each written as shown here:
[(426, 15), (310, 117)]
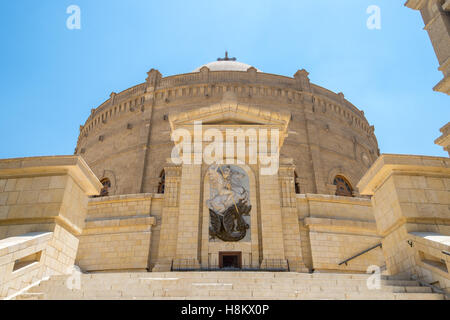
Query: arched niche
[(249, 246)]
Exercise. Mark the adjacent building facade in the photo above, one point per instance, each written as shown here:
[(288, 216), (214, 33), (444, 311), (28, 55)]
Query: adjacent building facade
[(436, 16)]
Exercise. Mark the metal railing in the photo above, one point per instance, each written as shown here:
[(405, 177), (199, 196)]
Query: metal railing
[(270, 266), (360, 254)]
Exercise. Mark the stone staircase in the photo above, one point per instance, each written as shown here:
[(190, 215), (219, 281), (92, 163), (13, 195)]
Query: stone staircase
[(226, 286)]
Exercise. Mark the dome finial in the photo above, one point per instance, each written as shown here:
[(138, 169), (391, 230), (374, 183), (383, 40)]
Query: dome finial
[(226, 58)]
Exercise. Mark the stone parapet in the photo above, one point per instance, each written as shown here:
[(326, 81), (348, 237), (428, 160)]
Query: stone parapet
[(432, 257), (37, 193), (127, 139), (409, 194), (118, 233), (22, 261), (336, 228), (42, 198), (216, 78)]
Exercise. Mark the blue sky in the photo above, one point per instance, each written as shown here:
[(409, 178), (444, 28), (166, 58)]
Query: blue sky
[(51, 76)]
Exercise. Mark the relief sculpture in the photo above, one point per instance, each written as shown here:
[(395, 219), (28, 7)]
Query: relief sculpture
[(229, 203)]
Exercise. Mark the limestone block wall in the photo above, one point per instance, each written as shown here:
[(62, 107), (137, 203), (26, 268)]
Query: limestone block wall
[(43, 195), (31, 250), (410, 194), (118, 233), (167, 238), (118, 150), (338, 228), (61, 251), (432, 257), (38, 193), (47, 199)]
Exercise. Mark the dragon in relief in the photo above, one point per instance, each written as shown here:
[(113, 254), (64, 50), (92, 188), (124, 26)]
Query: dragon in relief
[(229, 201)]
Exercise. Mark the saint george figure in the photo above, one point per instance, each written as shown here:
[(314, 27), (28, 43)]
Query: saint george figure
[(226, 188)]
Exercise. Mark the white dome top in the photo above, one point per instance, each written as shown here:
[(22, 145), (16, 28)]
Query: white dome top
[(227, 65)]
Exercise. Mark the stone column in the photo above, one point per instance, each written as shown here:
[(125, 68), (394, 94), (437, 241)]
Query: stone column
[(409, 194), (188, 221)]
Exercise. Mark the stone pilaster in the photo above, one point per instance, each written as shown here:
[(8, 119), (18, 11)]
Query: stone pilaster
[(314, 147), (188, 220), (289, 217), (169, 222), (271, 220)]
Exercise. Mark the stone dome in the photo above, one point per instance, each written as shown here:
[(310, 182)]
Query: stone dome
[(127, 139), (227, 65)]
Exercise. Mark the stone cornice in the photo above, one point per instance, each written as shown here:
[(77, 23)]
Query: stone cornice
[(387, 164), (59, 220), (444, 139), (231, 111), (75, 166), (218, 78), (341, 226), (119, 221), (416, 4), (121, 198), (240, 116), (334, 199)]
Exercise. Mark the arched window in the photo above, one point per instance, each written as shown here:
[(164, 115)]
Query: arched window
[(343, 187), (297, 186), (162, 182), (106, 186)]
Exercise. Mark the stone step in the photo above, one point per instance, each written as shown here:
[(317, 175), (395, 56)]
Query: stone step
[(31, 296), (227, 285), (243, 295), (268, 288), (219, 275), (229, 290), (106, 285), (249, 280)]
